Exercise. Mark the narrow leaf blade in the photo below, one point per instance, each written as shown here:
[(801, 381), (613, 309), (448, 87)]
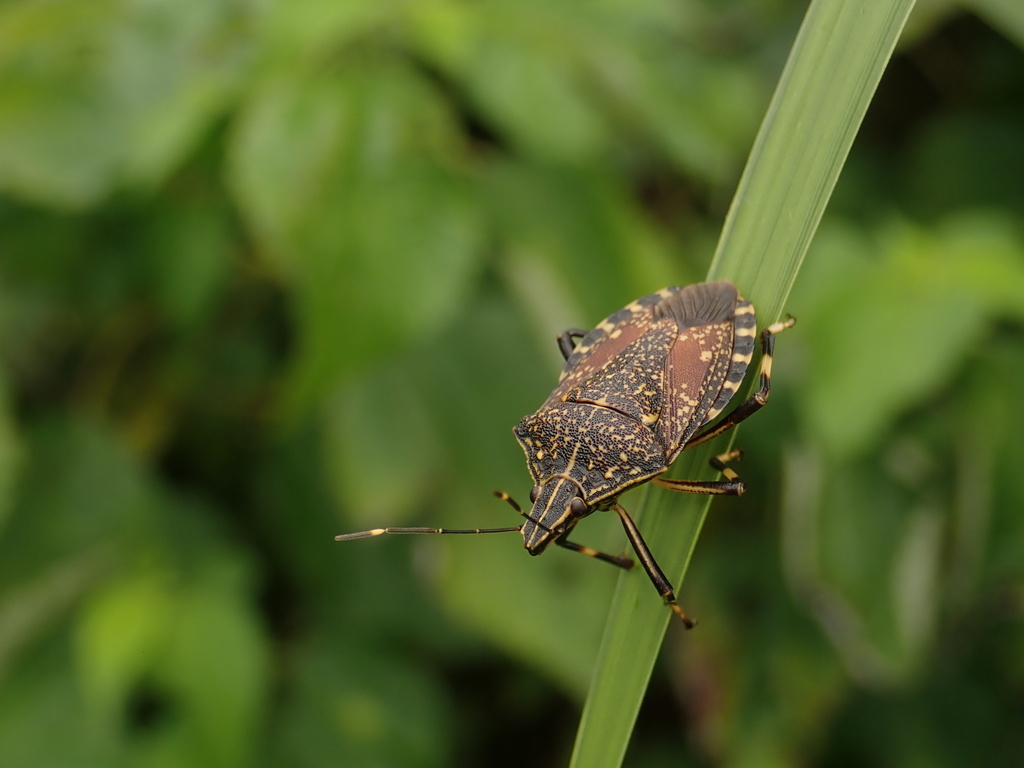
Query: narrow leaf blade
[(833, 70)]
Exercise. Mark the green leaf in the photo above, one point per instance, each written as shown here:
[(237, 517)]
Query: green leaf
[(347, 177), (10, 453), (61, 133), (1005, 15), (532, 98), (42, 719), (95, 93), (189, 248), (832, 72), (886, 300), (302, 140), (217, 664), (361, 706), (373, 474), (559, 223), (394, 266), (123, 628)]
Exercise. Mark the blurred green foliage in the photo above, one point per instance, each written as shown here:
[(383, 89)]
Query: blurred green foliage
[(274, 271)]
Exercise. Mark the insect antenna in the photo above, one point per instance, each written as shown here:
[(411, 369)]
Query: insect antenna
[(380, 531)]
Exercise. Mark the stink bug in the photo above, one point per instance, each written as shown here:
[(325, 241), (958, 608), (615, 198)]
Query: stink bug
[(634, 393)]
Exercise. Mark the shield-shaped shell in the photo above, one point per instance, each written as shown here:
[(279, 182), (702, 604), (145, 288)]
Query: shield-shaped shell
[(632, 392)]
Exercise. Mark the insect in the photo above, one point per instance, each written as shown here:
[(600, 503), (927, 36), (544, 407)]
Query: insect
[(635, 392)]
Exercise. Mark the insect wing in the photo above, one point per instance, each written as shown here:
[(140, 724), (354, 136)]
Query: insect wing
[(633, 381), (611, 336), (671, 360), (698, 364), (706, 366)]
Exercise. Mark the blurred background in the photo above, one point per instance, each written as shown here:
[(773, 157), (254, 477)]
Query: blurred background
[(270, 272)]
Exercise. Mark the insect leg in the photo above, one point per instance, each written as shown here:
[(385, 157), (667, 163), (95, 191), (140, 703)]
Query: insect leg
[(731, 486), (622, 562), (651, 566), (565, 341), (753, 403)]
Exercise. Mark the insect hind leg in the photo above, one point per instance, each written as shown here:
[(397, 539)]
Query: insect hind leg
[(757, 400), (566, 343)]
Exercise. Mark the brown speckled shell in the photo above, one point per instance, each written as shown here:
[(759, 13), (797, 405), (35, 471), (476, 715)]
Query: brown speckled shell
[(638, 386)]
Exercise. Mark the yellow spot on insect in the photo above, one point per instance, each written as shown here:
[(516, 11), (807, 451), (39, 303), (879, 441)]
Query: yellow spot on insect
[(540, 454), (650, 418), (705, 355), (623, 457)]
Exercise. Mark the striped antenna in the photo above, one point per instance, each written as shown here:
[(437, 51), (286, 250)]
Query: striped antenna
[(381, 531)]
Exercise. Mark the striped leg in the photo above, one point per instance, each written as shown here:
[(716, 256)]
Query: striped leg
[(731, 486), (657, 576), (757, 400), (619, 560)]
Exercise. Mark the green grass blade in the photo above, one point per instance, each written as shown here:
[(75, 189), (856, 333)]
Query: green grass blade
[(833, 70)]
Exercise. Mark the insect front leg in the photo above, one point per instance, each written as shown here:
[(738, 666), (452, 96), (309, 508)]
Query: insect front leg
[(619, 560), (657, 576), (757, 400), (566, 345)]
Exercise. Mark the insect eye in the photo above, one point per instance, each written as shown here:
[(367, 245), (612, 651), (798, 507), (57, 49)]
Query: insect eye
[(534, 493), (578, 506)]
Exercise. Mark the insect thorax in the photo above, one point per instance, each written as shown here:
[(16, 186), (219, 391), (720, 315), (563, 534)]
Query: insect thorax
[(601, 449)]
